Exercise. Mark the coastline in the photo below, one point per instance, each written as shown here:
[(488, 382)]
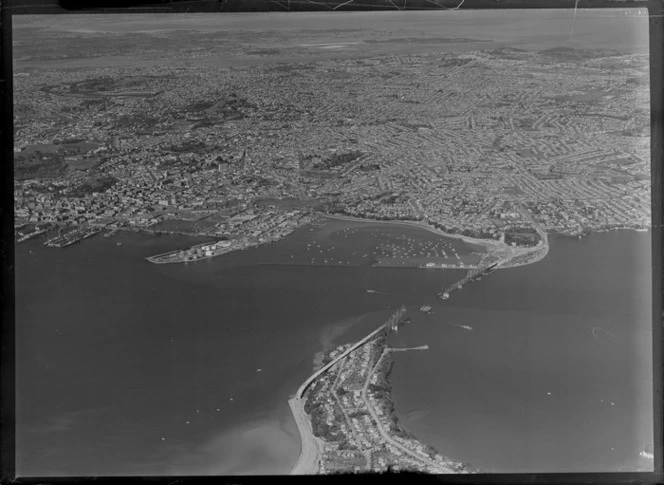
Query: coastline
[(138, 244), (317, 455), (421, 225), (310, 445), (307, 460), (508, 256)]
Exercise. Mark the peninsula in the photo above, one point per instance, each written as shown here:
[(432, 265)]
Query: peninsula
[(346, 417)]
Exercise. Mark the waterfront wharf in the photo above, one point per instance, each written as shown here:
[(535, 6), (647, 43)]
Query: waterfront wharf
[(177, 256), (67, 239), (158, 257), (33, 234)]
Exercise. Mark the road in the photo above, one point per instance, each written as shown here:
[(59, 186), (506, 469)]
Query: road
[(307, 462), (333, 391), (314, 376)]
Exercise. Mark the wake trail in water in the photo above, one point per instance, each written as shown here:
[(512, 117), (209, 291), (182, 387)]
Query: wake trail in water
[(571, 30), (597, 331), (379, 292)]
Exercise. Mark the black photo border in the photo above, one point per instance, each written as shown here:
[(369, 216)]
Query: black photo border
[(7, 316)]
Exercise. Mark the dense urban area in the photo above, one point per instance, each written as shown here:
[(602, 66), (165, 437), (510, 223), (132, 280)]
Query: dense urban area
[(459, 141)]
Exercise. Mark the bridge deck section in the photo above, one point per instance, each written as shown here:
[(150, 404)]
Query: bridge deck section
[(473, 274), (328, 366)]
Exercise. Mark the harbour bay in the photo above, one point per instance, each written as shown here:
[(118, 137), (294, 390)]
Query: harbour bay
[(556, 374), (248, 327)]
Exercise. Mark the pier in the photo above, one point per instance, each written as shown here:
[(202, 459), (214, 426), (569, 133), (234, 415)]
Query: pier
[(404, 349), (62, 240), (36, 232), (196, 253)]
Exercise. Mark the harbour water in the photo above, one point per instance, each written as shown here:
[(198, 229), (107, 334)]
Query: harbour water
[(544, 368), (130, 368)]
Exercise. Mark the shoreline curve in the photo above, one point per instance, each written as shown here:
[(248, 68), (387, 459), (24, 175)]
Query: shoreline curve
[(307, 460)]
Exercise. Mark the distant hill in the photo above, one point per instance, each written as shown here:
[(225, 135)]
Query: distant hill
[(572, 54), (509, 53), (54, 6)]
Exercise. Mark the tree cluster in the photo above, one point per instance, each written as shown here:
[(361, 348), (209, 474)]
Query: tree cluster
[(100, 184), (338, 159)]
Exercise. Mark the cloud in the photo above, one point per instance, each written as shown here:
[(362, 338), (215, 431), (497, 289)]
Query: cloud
[(64, 421)]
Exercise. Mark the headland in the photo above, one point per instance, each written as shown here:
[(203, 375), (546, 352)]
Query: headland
[(346, 417)]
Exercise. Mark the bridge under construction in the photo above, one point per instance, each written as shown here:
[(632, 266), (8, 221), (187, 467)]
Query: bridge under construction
[(391, 325), (473, 274)]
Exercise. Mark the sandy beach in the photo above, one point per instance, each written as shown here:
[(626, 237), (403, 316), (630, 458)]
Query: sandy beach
[(307, 462)]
